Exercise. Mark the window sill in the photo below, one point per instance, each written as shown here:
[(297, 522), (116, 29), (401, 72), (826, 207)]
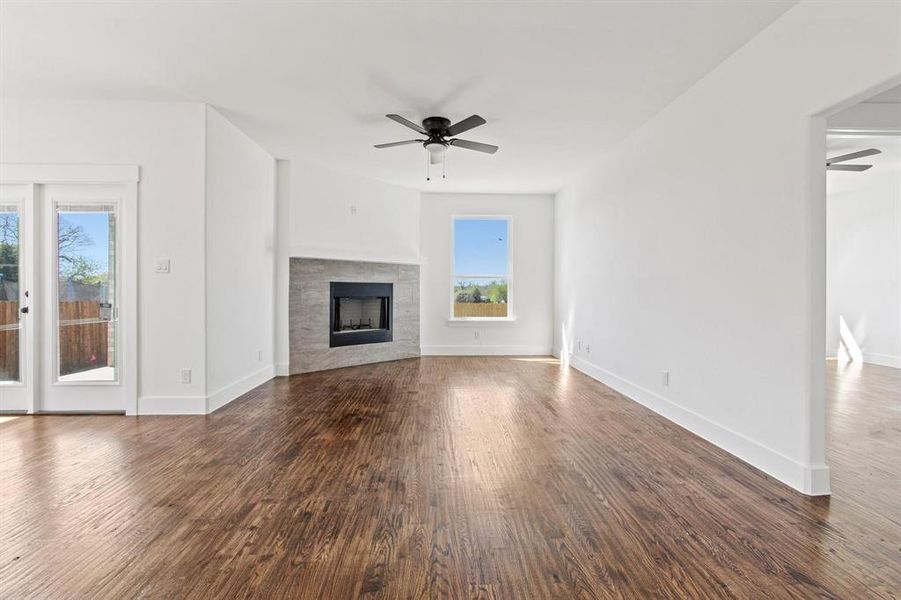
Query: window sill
[(480, 321)]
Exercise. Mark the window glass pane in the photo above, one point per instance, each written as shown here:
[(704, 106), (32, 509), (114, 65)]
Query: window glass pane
[(9, 293), (480, 247), (480, 297), (87, 293)]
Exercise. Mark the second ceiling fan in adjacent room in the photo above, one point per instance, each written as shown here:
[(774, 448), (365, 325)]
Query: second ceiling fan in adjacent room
[(831, 163)]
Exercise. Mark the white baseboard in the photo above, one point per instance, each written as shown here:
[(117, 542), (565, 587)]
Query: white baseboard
[(282, 370), (479, 350), (812, 480), (223, 396), (884, 360), (172, 405)]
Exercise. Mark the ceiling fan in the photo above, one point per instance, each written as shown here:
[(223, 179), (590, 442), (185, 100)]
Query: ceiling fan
[(438, 132), (831, 166)]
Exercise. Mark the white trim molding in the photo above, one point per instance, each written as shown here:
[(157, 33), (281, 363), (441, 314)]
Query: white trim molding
[(812, 480), (28, 173), (235, 390), (480, 350), (203, 405), (883, 360), (172, 405), (481, 321)]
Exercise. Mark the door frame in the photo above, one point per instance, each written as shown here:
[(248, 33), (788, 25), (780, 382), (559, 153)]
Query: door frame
[(128, 176), (28, 377), (814, 233)]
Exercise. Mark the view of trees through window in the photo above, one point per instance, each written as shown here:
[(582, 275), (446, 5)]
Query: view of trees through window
[(481, 262), (9, 293), (87, 334)]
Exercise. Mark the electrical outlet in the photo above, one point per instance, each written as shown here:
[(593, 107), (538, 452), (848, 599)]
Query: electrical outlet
[(161, 266), (665, 379), (186, 375), (588, 348), (475, 335)]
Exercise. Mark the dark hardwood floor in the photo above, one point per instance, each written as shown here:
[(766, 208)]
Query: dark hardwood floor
[(442, 477)]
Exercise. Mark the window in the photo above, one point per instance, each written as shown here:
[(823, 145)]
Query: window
[(86, 277), (481, 273)]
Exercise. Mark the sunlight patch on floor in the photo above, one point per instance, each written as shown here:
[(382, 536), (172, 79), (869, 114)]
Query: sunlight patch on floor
[(549, 360)]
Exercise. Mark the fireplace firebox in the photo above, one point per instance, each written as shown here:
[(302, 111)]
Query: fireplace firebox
[(360, 313)]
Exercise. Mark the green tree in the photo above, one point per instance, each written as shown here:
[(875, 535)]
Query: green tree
[(82, 269), (498, 292), (72, 264), (9, 247)]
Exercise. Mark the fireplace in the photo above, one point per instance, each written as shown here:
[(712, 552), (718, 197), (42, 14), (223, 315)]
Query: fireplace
[(360, 313)]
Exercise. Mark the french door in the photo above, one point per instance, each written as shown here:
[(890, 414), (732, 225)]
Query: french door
[(16, 271), (61, 288)]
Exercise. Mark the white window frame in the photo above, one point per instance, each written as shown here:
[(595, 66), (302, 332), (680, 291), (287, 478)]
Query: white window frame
[(452, 320)]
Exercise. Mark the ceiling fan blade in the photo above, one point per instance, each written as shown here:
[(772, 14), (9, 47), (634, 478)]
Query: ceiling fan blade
[(393, 144), (853, 155), (465, 125), (847, 167), (477, 146), (407, 123)]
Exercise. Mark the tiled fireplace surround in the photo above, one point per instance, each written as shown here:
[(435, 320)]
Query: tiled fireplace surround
[(308, 313)]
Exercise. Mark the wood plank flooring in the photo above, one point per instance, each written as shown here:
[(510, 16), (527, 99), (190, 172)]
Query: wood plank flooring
[(442, 477)]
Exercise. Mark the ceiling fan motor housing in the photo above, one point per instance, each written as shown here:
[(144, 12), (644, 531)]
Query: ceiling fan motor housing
[(435, 125)]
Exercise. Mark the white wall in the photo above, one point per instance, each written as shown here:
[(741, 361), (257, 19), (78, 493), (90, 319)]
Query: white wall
[(166, 141), (240, 255), (532, 251), (336, 215), (697, 245), (864, 266), (324, 214)]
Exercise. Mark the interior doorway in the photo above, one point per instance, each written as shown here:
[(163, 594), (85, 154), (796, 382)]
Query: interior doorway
[(67, 292), (863, 300)]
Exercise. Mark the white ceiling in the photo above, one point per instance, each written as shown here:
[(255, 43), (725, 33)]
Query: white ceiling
[(558, 82)]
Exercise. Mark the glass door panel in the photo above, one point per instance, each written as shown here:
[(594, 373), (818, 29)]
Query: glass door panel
[(16, 330), (86, 293), (10, 270)]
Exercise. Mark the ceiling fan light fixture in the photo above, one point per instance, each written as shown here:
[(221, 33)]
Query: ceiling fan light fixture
[(435, 147)]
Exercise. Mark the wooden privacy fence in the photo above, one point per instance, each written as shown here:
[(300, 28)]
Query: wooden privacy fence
[(479, 309), (83, 338), (9, 341)]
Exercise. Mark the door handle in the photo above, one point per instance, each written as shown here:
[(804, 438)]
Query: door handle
[(24, 310)]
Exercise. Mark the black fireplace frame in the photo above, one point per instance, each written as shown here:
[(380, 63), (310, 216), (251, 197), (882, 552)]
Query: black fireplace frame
[(346, 289)]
